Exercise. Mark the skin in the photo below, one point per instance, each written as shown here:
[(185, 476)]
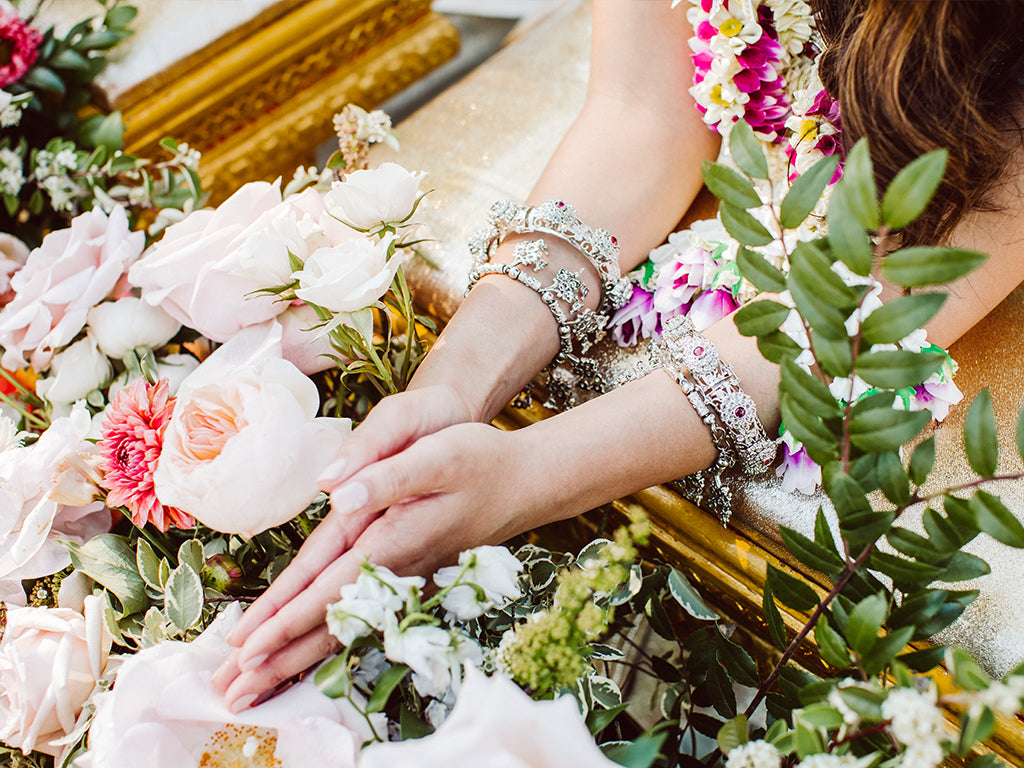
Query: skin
[(425, 477)]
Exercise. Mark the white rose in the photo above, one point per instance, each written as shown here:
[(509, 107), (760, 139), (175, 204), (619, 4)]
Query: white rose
[(244, 448), (494, 723), (348, 277), (50, 660), (75, 372), (121, 326), (370, 200)]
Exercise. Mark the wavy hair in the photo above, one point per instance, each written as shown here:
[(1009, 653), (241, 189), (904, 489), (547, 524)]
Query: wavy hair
[(916, 75)]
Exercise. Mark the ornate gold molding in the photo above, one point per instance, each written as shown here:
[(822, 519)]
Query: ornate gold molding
[(260, 108)]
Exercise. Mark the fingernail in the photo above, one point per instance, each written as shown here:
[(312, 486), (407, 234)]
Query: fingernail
[(222, 677), (254, 662), (349, 498), (242, 702), (332, 475)]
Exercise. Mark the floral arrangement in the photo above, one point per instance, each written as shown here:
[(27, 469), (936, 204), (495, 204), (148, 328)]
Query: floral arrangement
[(59, 156)]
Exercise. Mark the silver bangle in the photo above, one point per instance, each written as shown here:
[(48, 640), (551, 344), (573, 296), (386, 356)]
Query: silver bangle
[(558, 219)]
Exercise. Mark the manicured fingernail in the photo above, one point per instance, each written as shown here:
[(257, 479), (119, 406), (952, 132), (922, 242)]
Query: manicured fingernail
[(254, 662), (333, 475), (349, 498), (242, 702)]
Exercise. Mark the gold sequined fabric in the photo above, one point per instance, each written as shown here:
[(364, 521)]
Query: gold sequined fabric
[(489, 137)]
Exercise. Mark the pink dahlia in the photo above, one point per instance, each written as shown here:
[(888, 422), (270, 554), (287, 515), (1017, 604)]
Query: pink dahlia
[(132, 436), (19, 45)]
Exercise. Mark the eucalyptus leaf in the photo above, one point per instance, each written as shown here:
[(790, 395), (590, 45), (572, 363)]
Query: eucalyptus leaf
[(762, 275), (806, 191), (923, 265), (733, 733), (746, 151), (729, 186), (912, 189), (981, 441), (183, 598), (108, 560), (899, 318), (745, 228)]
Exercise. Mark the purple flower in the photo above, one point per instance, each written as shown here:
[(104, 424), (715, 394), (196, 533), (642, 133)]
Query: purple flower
[(636, 319), (679, 280), (936, 397), (710, 307), (797, 471)]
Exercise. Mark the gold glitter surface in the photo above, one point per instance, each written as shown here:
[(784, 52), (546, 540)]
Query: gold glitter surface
[(489, 138)]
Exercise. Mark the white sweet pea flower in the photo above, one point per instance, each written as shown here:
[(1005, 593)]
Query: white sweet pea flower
[(435, 656), (75, 372), (121, 326), (494, 570), (367, 604), (373, 199)]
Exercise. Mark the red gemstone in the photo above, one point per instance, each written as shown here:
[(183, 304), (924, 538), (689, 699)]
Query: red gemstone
[(698, 351), (614, 241), (741, 412), (559, 204)]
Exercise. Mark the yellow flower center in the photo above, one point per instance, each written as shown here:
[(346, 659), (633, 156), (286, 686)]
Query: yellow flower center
[(731, 28), (716, 96), (241, 746), (808, 130)]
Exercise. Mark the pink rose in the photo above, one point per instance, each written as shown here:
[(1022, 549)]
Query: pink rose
[(50, 660), (244, 447), (206, 268), (72, 271), (495, 723), (13, 254)]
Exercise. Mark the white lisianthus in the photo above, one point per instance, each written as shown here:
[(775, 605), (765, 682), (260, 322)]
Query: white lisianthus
[(348, 277), (494, 570), (74, 373), (754, 754), (121, 326), (370, 200), (367, 604)]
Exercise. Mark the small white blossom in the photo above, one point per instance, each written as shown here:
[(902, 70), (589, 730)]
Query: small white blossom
[(495, 570), (369, 603), (754, 754), (1003, 698), (12, 175), (915, 718), (836, 701), (65, 160), (924, 754), (824, 761)]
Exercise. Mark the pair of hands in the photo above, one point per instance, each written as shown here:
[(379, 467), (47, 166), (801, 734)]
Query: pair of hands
[(417, 484)]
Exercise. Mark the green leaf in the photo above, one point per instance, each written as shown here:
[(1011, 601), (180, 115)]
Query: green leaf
[(811, 553), (987, 761), (884, 652), (790, 590), (412, 726), (892, 478), (943, 535), (108, 133), (806, 192), (864, 623), (967, 672), (963, 515), (822, 532), (333, 677), (849, 242), (980, 438), (809, 390), (856, 190), (924, 660), (759, 318), (71, 59), (896, 369), (808, 740), (108, 560), (642, 752), (777, 346), (964, 566), (846, 494), (865, 528), (599, 719), (776, 626), (922, 460), (834, 355), (823, 318), (810, 266), (387, 683), (917, 608), (755, 267), (40, 78), (912, 189), (719, 687), (148, 564), (996, 520), (897, 319), (911, 544), (865, 702), (737, 662), (745, 228), (746, 151), (183, 598), (923, 265), (906, 574), (190, 553), (883, 431), (688, 597), (733, 733), (120, 16), (729, 187), (100, 39), (819, 441), (819, 715), (831, 645)]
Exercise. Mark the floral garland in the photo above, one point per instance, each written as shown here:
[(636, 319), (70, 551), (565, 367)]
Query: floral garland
[(755, 61)]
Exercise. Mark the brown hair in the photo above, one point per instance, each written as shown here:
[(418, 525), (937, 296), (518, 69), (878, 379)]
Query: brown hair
[(914, 76)]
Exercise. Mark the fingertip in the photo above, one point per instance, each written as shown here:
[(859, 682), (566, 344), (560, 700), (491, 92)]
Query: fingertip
[(333, 475), (347, 498), (225, 674)]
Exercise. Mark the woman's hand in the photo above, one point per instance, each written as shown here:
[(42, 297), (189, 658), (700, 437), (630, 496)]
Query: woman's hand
[(464, 486)]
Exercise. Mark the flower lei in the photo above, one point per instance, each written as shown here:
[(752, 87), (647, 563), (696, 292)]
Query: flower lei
[(755, 60)]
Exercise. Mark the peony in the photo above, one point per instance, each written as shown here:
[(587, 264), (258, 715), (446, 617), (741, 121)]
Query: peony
[(32, 521), (21, 45), (75, 372), (73, 270), (164, 713), (348, 277), (244, 448), (123, 325), (206, 269), (494, 723), (50, 660), (373, 199)]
